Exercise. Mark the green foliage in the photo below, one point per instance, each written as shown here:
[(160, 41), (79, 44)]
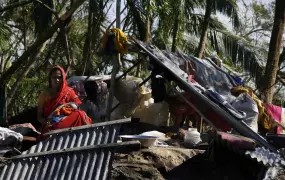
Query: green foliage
[(28, 93), (228, 8), (5, 33), (240, 48), (260, 11)]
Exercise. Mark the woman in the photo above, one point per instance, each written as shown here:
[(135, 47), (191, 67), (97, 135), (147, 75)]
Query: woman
[(57, 106)]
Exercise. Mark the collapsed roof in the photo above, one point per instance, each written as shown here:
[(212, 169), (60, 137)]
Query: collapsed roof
[(201, 103)]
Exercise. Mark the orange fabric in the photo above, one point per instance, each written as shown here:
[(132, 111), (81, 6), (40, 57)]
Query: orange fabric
[(76, 118), (64, 111)]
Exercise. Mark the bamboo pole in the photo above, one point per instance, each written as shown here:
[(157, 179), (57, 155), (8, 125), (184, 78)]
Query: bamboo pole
[(116, 67)]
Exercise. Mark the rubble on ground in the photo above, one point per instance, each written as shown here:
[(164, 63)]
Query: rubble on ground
[(150, 163)]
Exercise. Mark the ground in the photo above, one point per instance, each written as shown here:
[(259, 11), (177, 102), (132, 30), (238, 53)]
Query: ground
[(178, 164), (150, 163)]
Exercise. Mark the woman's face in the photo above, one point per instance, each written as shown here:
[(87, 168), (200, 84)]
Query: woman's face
[(56, 79)]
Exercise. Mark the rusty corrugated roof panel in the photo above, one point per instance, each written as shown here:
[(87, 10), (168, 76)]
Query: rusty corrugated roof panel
[(90, 162), (94, 134)]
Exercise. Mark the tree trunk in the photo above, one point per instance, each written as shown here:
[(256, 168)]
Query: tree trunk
[(205, 27), (174, 34), (87, 46), (140, 24), (147, 32), (94, 23), (118, 14), (271, 69), (25, 33), (67, 51)]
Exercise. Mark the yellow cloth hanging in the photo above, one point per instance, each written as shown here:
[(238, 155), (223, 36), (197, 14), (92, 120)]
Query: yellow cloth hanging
[(120, 40)]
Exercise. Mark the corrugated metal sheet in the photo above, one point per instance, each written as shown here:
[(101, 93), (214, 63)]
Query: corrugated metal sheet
[(94, 134), (260, 154), (91, 162), (266, 157)]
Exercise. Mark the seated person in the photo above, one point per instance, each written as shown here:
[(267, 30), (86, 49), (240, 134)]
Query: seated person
[(57, 105), (89, 104)]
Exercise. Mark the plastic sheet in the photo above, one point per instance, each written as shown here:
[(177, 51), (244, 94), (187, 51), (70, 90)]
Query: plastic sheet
[(211, 78), (207, 74), (9, 138), (221, 100), (246, 104)]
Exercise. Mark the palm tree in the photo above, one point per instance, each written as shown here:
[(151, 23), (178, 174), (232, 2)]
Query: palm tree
[(185, 32), (227, 7), (141, 13), (173, 17), (95, 20)]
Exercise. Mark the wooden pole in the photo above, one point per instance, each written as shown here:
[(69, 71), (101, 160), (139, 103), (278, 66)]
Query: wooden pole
[(116, 67)]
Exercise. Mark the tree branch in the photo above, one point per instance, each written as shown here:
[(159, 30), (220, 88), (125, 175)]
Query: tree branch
[(254, 31), (112, 23), (46, 6), (282, 81), (40, 40), (66, 47)]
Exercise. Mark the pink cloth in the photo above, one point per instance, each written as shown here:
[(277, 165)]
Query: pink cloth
[(276, 112)]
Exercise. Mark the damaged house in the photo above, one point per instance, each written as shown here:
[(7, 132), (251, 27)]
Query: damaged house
[(243, 131)]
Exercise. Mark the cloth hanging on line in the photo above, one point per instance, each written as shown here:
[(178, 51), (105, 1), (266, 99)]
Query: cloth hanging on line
[(115, 41), (278, 113)]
